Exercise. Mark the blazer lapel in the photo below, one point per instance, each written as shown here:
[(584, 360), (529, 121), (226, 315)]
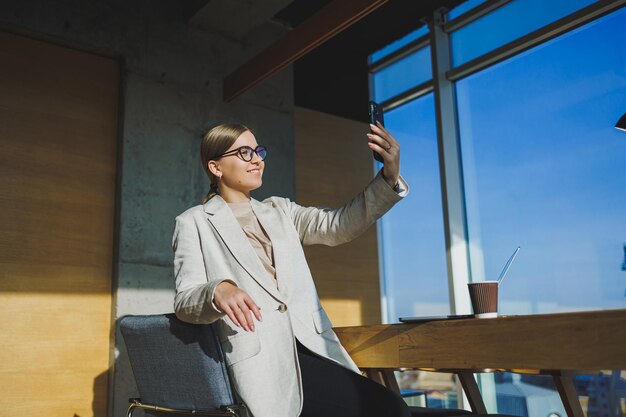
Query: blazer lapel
[(227, 226)]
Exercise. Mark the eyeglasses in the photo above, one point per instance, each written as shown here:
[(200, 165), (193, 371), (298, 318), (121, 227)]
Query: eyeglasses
[(246, 153)]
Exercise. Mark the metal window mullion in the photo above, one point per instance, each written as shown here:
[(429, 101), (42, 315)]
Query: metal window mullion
[(473, 15), (451, 174), (408, 95), (401, 53), (452, 189)]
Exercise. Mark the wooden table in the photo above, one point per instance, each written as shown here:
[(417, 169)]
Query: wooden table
[(555, 344)]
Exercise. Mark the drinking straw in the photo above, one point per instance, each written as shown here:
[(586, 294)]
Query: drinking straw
[(507, 266)]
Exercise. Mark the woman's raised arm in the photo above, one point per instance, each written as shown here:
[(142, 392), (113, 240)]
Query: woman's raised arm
[(332, 227)]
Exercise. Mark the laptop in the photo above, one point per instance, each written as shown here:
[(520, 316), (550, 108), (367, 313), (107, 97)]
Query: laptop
[(435, 318)]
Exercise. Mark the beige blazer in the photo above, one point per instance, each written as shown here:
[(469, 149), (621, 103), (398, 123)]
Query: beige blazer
[(210, 247)]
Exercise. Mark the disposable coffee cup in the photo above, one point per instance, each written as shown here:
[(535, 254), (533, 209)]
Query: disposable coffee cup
[(484, 296)]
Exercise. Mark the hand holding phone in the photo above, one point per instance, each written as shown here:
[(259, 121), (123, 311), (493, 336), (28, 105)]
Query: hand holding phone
[(382, 141), (376, 115)]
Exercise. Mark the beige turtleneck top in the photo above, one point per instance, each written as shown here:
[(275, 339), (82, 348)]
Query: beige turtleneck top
[(258, 238)]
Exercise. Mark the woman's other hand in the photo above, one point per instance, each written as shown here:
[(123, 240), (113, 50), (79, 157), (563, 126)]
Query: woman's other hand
[(237, 305), (382, 142)]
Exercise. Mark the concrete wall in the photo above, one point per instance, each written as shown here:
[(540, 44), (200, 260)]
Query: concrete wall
[(172, 74)]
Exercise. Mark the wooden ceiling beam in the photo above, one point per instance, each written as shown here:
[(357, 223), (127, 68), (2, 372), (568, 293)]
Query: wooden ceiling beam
[(322, 26)]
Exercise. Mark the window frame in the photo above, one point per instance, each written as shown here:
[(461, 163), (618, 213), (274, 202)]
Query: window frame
[(443, 84)]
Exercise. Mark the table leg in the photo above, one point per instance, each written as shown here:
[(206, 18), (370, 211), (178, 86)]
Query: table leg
[(390, 380), (472, 392), (384, 377), (567, 391), (374, 375)]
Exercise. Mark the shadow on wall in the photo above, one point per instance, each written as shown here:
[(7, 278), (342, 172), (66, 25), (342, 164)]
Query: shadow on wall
[(100, 388), (124, 387)]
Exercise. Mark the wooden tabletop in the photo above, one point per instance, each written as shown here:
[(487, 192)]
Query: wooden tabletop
[(591, 340)]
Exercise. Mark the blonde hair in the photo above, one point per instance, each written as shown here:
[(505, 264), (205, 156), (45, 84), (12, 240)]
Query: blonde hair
[(214, 143)]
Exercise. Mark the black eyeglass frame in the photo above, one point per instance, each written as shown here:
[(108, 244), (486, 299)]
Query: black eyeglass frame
[(238, 152)]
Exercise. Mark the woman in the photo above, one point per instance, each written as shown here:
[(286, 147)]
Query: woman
[(239, 264)]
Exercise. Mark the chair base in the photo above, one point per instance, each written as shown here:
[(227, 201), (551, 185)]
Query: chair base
[(235, 410)]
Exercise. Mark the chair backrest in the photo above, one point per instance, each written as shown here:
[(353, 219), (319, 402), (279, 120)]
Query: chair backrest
[(176, 364)]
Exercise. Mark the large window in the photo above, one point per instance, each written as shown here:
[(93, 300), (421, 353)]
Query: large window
[(543, 122), (542, 168)]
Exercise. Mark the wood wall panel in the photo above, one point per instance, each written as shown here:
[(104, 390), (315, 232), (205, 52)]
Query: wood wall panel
[(58, 129), (333, 164)]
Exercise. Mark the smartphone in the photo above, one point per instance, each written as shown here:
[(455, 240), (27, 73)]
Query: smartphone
[(376, 115)]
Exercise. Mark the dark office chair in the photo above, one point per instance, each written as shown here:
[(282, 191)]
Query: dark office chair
[(178, 367)]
